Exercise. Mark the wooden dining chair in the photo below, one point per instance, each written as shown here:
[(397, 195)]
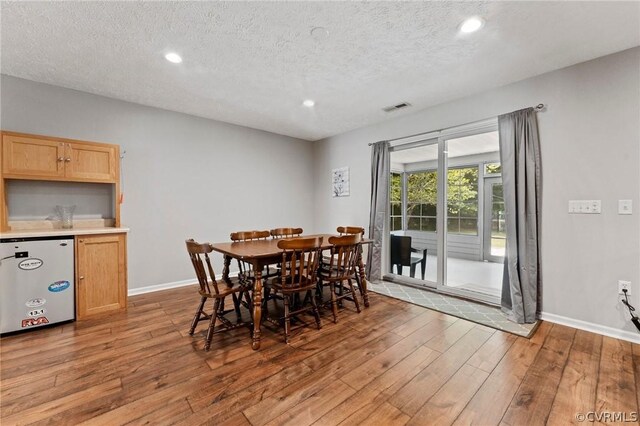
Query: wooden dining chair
[(210, 289), (280, 233), (350, 230), (245, 269), (341, 269), (300, 259)]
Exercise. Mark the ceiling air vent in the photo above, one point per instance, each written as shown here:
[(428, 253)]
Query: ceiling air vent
[(396, 107)]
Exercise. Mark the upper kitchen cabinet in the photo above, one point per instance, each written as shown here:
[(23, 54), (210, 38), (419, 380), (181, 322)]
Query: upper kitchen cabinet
[(91, 162), (38, 157), (27, 157)]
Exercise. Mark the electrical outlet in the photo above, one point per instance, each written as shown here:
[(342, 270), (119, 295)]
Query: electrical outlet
[(624, 285)]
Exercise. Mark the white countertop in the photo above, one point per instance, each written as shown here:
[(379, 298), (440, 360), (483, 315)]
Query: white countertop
[(61, 232)]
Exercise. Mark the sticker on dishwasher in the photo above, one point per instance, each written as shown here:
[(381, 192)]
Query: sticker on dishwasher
[(30, 264), (34, 303), (59, 286), (30, 322), (36, 312)]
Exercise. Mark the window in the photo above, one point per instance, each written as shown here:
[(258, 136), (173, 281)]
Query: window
[(462, 201), (395, 198), (492, 169), (422, 199)]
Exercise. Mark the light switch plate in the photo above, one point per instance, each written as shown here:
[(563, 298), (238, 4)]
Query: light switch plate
[(585, 206), (625, 207)]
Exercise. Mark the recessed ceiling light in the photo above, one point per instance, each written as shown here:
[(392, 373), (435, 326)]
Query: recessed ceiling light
[(173, 57), (471, 25), (308, 103)]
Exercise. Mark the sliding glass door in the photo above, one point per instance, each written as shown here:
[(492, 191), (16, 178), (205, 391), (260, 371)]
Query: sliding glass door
[(413, 221), (447, 214)]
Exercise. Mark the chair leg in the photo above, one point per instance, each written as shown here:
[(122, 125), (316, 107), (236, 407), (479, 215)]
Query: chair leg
[(399, 269), (265, 302), (423, 263), (236, 306), (353, 294), (216, 306), (287, 319), (247, 296), (316, 312), (334, 302), (412, 270), (196, 318)]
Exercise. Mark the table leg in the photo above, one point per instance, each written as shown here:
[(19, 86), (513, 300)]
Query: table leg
[(363, 281), (257, 307)]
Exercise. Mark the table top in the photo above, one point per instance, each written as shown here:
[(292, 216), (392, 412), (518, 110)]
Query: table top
[(265, 248)]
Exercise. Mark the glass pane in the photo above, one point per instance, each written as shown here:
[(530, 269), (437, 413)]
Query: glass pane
[(469, 226), (418, 214), (429, 224), (498, 230), (465, 258), (396, 209), (429, 209), (413, 223), (413, 209), (396, 187), (492, 169)]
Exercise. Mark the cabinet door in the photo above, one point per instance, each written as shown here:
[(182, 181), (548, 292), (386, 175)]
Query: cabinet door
[(32, 158), (101, 274), (96, 163)]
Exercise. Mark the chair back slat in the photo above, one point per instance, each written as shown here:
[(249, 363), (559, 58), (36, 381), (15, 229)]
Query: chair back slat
[(344, 255), (244, 268), (350, 230), (249, 235), (279, 233), (197, 252), (300, 259)]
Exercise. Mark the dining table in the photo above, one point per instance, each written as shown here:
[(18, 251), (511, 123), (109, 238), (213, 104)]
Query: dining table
[(262, 253)]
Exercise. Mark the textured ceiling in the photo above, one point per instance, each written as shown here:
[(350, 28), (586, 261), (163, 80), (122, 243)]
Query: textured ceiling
[(252, 63)]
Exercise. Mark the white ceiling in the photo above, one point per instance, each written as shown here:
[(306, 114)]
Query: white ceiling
[(252, 63), (481, 143)]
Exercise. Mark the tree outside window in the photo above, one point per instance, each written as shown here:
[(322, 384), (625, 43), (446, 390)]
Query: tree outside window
[(422, 201), (462, 201)]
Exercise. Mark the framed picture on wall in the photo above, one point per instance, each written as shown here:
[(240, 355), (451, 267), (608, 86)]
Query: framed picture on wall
[(340, 182)]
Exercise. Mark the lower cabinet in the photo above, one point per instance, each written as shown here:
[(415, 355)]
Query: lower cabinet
[(101, 273)]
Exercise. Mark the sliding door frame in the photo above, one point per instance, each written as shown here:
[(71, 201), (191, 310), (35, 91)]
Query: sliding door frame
[(440, 138)]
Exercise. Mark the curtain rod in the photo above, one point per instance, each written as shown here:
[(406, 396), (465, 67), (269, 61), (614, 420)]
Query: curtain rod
[(538, 107)]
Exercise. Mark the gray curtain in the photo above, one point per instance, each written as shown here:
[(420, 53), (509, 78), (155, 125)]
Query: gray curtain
[(379, 204), (520, 158)]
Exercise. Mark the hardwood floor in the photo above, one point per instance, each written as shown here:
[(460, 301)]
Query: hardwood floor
[(393, 364)]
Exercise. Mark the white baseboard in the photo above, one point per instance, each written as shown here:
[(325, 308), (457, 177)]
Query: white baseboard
[(166, 286), (160, 287), (629, 336)]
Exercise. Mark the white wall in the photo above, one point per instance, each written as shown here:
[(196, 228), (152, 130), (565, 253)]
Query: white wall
[(590, 137), (183, 176)]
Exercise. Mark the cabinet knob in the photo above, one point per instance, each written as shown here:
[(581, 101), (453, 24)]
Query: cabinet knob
[(67, 159), (81, 277), (60, 159), (82, 241)]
